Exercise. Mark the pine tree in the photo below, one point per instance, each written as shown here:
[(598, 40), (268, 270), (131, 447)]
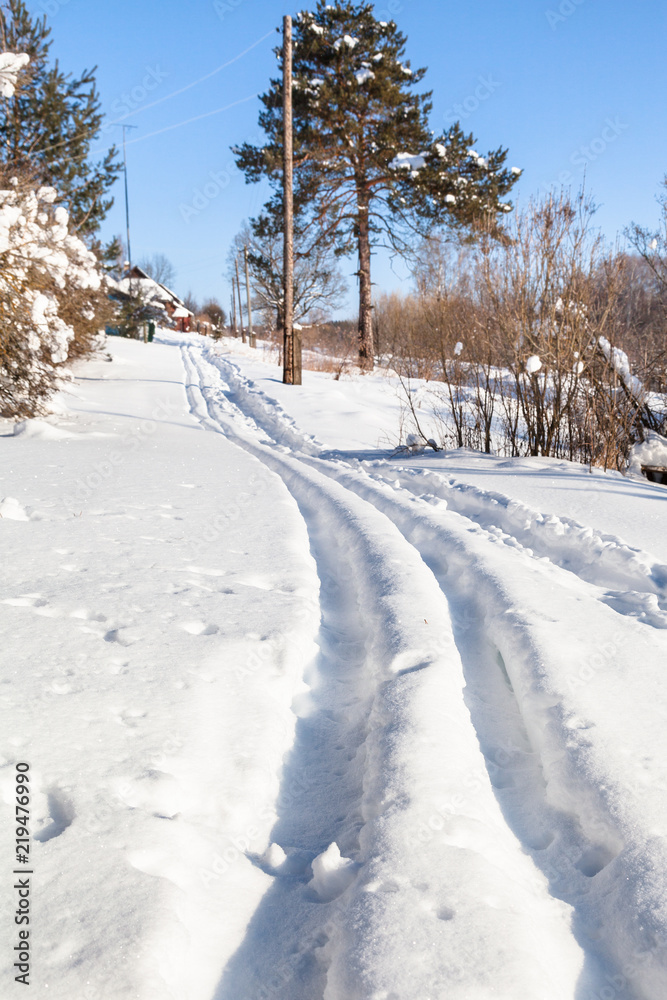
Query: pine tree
[(48, 127), (366, 163)]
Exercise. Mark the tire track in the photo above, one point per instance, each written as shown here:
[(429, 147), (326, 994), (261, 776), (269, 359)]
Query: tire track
[(569, 800), (415, 749), (631, 582)]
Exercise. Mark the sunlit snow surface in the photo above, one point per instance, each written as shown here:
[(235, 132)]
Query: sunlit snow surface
[(309, 721)]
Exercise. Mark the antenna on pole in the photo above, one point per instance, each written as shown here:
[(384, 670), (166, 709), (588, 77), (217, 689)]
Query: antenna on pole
[(127, 205)]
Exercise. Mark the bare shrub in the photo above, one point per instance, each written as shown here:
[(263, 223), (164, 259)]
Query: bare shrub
[(521, 336)]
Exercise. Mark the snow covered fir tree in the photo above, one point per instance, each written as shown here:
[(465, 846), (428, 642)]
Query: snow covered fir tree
[(52, 201), (368, 169), (52, 122)]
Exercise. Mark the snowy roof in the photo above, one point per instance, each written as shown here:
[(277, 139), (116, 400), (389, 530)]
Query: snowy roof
[(152, 291)]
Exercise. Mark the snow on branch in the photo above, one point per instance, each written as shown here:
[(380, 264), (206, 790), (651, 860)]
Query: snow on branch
[(10, 67), (408, 161), (618, 360)]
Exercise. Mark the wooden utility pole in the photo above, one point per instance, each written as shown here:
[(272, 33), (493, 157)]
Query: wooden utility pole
[(251, 334), (238, 289), (236, 328), (291, 349)]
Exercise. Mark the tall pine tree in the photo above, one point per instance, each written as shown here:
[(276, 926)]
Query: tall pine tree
[(48, 127), (366, 164)]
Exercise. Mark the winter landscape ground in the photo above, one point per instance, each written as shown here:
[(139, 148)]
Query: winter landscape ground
[(305, 720)]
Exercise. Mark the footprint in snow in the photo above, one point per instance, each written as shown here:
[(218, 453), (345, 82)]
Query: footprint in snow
[(155, 792), (594, 860), (129, 716), (60, 816), (26, 601), (123, 636)]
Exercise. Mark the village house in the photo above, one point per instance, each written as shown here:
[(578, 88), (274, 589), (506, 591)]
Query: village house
[(156, 296)]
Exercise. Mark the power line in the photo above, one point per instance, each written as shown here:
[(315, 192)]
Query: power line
[(196, 118), (168, 128), (145, 107), (189, 86)]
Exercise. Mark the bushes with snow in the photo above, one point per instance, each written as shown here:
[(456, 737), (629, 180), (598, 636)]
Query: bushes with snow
[(521, 337), (51, 295)]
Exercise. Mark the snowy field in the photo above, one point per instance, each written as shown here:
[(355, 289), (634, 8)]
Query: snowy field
[(308, 722)]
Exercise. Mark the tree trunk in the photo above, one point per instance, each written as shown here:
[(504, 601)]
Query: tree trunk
[(366, 346)]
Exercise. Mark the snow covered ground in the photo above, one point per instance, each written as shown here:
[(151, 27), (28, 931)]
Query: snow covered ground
[(307, 721)]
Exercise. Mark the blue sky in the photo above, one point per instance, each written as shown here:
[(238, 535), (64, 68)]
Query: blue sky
[(568, 86)]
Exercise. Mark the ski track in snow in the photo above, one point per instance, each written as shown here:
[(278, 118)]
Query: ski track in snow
[(542, 798), (632, 581)]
